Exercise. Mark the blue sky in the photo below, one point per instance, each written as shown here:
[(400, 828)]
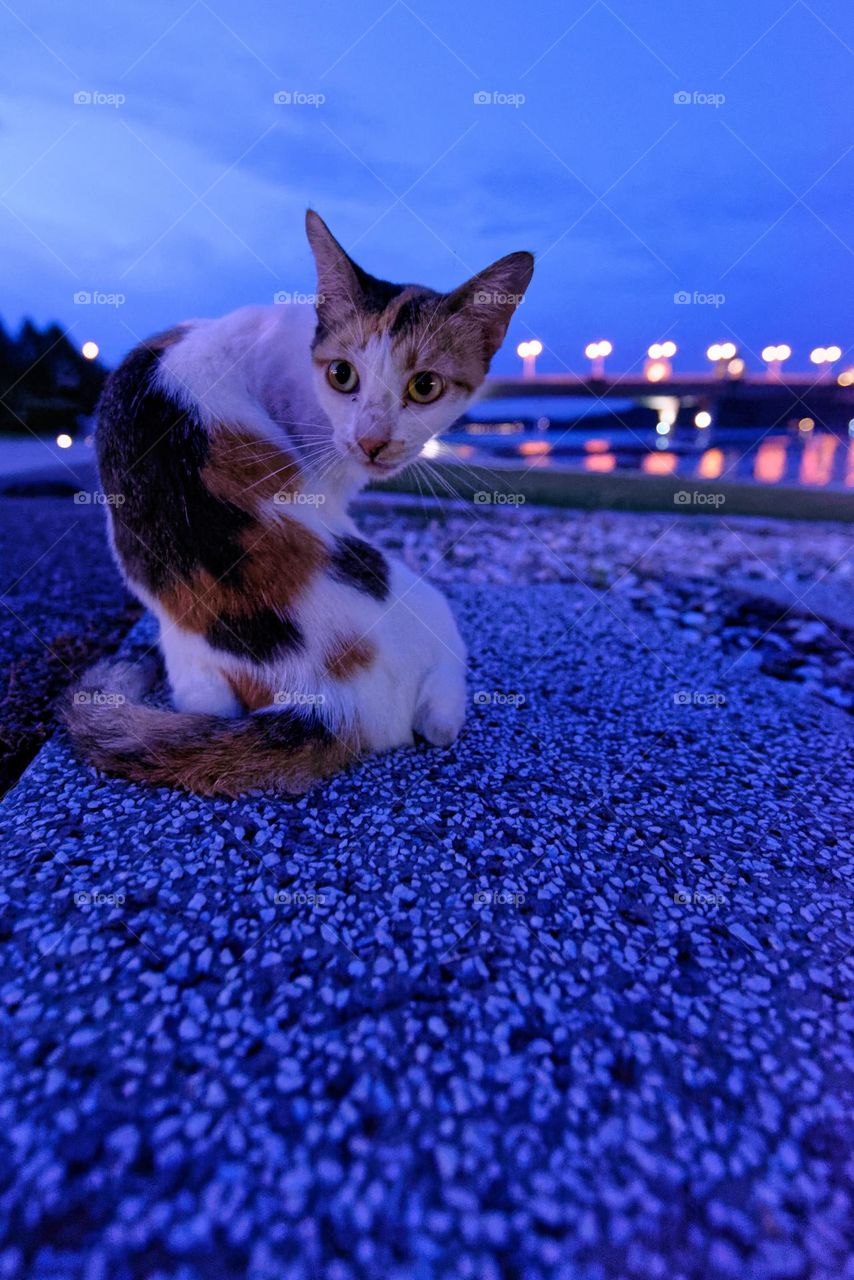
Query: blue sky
[(187, 197)]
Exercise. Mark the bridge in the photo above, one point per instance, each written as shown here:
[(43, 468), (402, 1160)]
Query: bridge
[(747, 399)]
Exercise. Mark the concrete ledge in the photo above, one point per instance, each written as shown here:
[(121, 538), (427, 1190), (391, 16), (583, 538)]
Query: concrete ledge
[(461, 1012), (631, 491)]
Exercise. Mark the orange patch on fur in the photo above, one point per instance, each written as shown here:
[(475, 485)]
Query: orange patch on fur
[(279, 561), (252, 690), (348, 656), (244, 469)]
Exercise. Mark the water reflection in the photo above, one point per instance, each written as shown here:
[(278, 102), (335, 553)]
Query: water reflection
[(813, 457)]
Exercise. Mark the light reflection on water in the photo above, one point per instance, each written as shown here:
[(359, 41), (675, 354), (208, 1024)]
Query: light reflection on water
[(814, 459)]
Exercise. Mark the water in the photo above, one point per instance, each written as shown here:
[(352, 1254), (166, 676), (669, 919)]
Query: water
[(795, 456)]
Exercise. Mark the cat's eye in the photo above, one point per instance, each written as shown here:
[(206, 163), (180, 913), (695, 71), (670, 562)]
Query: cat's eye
[(425, 387), (341, 376)]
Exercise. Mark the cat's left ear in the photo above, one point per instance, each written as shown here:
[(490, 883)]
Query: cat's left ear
[(338, 287), (491, 297)]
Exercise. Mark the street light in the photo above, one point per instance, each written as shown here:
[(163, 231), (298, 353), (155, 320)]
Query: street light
[(720, 354), (528, 352), (774, 357), (658, 366), (89, 350), (825, 358), (596, 353)]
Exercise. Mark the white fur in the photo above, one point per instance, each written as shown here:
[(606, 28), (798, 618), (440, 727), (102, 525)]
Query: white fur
[(253, 368)]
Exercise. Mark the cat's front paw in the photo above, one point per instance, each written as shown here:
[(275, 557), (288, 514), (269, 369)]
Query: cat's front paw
[(440, 720)]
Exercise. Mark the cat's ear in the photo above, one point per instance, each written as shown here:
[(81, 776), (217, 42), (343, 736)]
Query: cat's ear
[(338, 276), (490, 298)]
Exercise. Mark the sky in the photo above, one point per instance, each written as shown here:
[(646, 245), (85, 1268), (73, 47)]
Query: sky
[(681, 170)]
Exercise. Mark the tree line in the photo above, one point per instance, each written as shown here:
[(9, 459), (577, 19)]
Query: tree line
[(46, 385)]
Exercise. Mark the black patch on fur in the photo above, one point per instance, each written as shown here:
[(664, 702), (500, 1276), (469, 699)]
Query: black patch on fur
[(151, 452), (290, 728), (357, 564), (262, 635), (413, 313), (374, 297)]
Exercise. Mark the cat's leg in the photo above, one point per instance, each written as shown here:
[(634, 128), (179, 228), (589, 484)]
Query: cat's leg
[(196, 680), (440, 705)]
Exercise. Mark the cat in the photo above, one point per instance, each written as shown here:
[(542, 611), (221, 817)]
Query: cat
[(230, 449)]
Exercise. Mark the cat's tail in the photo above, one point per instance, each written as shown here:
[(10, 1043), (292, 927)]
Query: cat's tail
[(282, 749)]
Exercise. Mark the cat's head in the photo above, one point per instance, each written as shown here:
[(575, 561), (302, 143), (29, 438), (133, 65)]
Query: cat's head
[(397, 364)]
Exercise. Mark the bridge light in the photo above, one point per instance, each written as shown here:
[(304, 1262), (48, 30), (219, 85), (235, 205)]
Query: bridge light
[(846, 378), (668, 350), (657, 370), (774, 357), (728, 351), (735, 368), (596, 352), (528, 352), (714, 353), (834, 354), (702, 419), (655, 352), (818, 355)]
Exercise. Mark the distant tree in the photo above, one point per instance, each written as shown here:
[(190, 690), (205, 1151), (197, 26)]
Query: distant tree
[(46, 385)]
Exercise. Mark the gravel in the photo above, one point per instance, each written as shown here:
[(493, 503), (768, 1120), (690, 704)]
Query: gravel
[(568, 1001)]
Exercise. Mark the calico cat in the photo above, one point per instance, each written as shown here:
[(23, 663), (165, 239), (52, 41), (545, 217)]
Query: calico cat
[(231, 449)]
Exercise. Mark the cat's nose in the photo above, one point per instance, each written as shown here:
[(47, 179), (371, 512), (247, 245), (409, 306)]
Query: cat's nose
[(372, 446)]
